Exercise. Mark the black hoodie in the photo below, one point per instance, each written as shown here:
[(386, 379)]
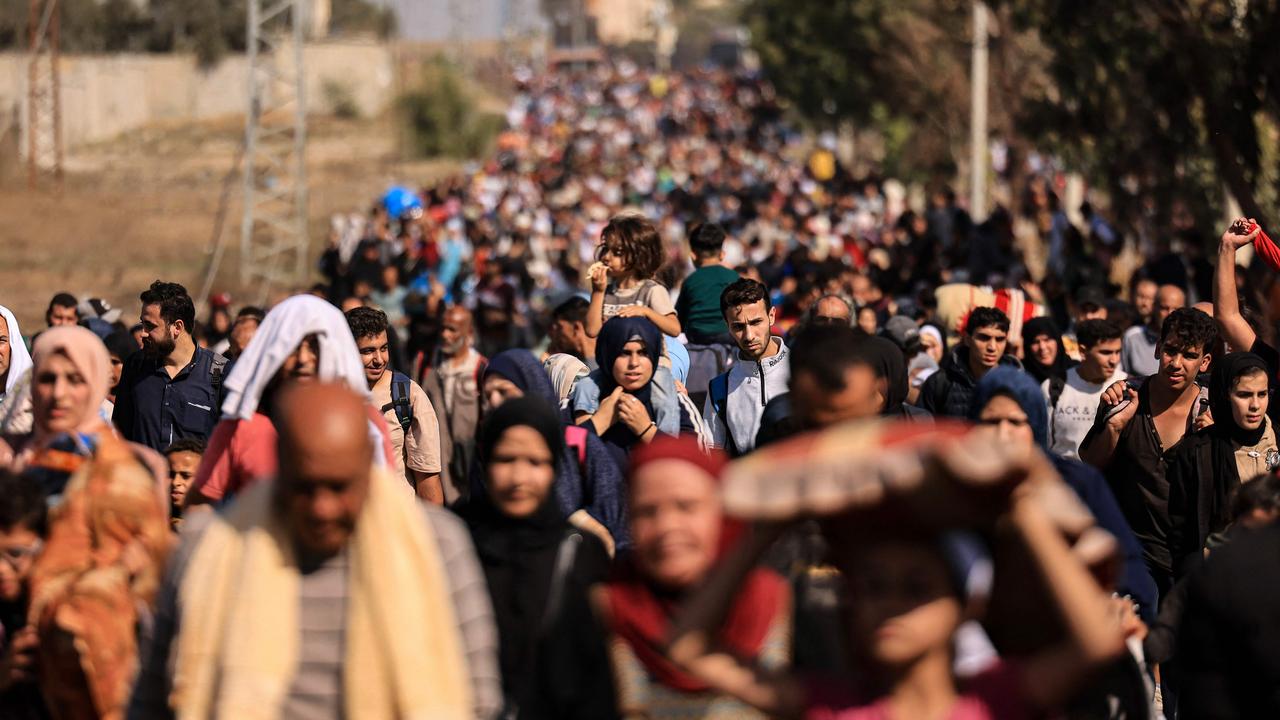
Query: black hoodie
[(949, 392)]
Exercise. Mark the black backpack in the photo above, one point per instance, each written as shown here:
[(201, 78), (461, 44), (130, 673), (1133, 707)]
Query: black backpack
[(400, 400)]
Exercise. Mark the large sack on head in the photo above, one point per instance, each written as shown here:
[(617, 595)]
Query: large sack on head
[(957, 300)]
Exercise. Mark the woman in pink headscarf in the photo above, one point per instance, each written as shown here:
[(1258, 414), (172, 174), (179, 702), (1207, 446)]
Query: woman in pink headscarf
[(108, 531), (69, 383)]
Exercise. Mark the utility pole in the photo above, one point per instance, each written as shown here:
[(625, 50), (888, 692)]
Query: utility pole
[(273, 239), (44, 94), (978, 117)]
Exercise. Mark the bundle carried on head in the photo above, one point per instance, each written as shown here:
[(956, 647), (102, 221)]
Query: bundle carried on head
[(869, 481), (957, 300)]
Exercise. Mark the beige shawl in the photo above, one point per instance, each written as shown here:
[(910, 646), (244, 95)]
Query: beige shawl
[(238, 641)]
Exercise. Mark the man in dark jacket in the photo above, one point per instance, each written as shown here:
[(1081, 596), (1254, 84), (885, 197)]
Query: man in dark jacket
[(949, 392)]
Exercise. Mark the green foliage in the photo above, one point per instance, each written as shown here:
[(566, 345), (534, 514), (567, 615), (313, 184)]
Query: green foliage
[(362, 16), (896, 66), (1161, 102), (824, 57), (339, 99), (1162, 98), (442, 118), (208, 28)]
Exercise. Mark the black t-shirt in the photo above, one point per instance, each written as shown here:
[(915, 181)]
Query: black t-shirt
[(1137, 477)]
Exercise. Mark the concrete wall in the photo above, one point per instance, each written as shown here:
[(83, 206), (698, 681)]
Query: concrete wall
[(619, 22), (466, 20), (105, 95)]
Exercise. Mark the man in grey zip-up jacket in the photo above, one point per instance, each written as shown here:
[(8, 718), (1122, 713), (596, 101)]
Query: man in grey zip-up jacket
[(736, 399)]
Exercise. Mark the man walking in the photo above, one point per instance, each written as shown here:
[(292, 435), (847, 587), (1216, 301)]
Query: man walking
[(1073, 402), (1137, 429), (172, 389), (415, 430), (737, 397), (1140, 341), (323, 593), (949, 392), (452, 383)]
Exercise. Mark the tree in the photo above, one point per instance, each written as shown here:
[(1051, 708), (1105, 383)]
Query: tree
[(442, 116), (1161, 99), (208, 28), (900, 67), (1161, 102), (362, 16)]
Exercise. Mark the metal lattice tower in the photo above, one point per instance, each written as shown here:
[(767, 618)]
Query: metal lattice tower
[(44, 94), (273, 237)]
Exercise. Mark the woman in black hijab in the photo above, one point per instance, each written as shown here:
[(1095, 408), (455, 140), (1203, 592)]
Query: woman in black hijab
[(628, 353), (890, 366), (1207, 467), (1044, 355), (539, 570)]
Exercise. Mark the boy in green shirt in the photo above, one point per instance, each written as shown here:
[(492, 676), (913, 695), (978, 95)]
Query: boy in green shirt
[(698, 308)]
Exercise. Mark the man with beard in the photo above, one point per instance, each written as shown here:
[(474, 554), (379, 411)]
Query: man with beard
[(453, 386), (172, 389), (736, 399)]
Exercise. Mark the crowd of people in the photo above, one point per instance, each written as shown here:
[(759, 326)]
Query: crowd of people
[(656, 413)]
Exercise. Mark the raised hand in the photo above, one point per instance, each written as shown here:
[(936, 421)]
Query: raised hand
[(1242, 232), (599, 273)]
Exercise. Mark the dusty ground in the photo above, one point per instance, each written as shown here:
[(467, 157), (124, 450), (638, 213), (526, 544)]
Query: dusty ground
[(143, 207)]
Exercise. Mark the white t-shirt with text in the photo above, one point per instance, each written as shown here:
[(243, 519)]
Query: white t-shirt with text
[(1071, 418)]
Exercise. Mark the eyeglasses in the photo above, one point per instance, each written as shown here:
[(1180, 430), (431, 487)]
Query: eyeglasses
[(17, 554)]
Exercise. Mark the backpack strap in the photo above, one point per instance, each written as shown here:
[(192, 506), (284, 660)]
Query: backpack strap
[(1056, 386), (400, 401), (718, 392), (217, 373), (575, 436)]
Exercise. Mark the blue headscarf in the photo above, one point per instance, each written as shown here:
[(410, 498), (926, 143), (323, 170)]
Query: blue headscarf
[(679, 358), (523, 369), (1024, 390)]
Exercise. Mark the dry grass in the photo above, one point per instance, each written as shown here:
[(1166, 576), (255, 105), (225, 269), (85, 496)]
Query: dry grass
[(142, 207)]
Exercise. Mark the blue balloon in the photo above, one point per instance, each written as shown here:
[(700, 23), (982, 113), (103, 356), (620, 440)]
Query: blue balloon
[(399, 200)]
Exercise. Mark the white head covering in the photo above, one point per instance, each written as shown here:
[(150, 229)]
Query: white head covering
[(19, 357), (933, 332), (280, 334), (565, 371)]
